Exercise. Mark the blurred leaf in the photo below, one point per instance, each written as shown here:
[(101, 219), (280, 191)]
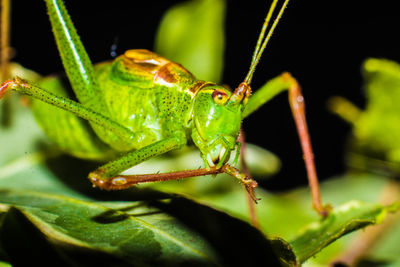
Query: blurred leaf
[(22, 137), (192, 34), (386, 248), (25, 151), (377, 128), (382, 82), (374, 147)]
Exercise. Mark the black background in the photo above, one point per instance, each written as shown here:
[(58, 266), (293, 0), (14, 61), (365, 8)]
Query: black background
[(322, 43)]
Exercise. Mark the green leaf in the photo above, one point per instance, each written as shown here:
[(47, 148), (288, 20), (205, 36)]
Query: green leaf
[(22, 137), (192, 34), (163, 233), (26, 152), (344, 219), (91, 226)]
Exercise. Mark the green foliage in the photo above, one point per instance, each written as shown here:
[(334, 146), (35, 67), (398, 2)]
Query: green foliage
[(374, 146), (47, 205), (344, 219), (377, 128), (90, 226), (382, 83)]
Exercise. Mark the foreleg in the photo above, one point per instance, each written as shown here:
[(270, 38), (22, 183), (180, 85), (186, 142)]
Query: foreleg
[(108, 177)]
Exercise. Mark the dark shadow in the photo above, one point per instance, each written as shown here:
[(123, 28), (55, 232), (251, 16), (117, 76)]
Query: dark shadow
[(25, 245), (73, 173), (116, 215), (236, 242)]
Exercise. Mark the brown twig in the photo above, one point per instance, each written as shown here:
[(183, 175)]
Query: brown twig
[(4, 38)]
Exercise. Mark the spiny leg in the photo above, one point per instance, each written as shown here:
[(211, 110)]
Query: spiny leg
[(249, 184), (108, 177), (246, 171), (74, 57), (74, 107), (296, 100), (120, 182)]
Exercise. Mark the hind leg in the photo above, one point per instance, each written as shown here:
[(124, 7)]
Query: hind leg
[(268, 91)]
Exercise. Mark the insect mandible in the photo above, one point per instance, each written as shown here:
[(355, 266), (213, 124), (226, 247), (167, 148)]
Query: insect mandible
[(144, 105)]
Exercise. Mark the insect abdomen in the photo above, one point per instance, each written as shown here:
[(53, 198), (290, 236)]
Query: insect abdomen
[(73, 135)]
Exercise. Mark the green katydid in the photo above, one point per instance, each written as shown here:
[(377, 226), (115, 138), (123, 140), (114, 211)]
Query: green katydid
[(145, 105)]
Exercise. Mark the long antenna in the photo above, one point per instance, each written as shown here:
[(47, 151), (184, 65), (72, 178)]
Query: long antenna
[(263, 29), (262, 43)]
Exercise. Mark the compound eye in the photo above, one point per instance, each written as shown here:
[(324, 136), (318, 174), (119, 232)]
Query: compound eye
[(220, 97)]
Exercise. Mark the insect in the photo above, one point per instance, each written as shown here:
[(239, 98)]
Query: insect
[(143, 105)]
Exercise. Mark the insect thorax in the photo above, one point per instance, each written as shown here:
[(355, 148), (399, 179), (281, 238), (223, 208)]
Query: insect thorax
[(148, 94)]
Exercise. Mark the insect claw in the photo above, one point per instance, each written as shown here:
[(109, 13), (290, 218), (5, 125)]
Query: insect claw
[(324, 211), (250, 185), (96, 180)]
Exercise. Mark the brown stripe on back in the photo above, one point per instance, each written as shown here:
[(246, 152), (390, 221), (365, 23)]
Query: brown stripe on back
[(172, 73), (143, 60), (167, 74)]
